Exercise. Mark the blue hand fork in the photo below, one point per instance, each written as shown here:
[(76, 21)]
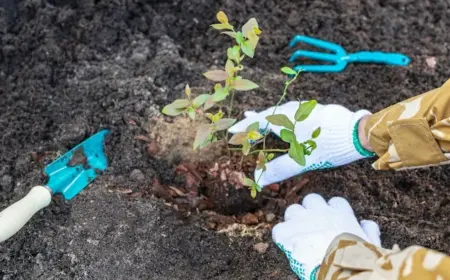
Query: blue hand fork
[(340, 56)]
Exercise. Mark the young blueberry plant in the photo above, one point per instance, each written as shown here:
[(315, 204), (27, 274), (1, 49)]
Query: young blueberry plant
[(227, 83)]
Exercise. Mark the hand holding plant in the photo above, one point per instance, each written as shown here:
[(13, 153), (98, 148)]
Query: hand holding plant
[(337, 145), (251, 136)]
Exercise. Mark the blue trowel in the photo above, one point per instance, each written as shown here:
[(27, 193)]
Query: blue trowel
[(68, 175)]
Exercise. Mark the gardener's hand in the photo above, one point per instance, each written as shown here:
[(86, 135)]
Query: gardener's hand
[(309, 229), (338, 143)]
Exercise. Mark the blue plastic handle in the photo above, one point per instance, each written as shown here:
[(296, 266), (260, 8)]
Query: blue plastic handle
[(378, 57)]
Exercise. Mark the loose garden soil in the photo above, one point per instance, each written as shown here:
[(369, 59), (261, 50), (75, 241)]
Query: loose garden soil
[(163, 211)]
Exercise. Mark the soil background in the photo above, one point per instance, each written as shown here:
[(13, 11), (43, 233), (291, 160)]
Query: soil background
[(71, 68)]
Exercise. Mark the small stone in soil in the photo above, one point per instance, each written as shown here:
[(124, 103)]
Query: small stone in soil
[(137, 176), (261, 247), (274, 187), (249, 219), (294, 19), (431, 62), (270, 217)]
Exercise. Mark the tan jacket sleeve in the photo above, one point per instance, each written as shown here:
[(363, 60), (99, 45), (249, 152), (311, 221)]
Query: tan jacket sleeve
[(413, 133), (350, 258)]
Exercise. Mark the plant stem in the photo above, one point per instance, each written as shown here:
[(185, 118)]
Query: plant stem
[(230, 108), (270, 151), (231, 104), (283, 95), (285, 91), (266, 151), (260, 175), (264, 142)]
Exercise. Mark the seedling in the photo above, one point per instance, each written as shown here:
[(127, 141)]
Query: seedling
[(227, 83)]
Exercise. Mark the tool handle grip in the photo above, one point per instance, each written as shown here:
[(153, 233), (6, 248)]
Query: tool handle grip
[(13, 218), (379, 57)]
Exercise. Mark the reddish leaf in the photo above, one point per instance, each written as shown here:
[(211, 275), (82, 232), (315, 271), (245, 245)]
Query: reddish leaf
[(216, 75), (244, 85), (202, 135), (238, 138), (223, 124)]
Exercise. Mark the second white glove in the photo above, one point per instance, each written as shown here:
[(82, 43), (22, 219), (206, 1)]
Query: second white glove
[(309, 229)]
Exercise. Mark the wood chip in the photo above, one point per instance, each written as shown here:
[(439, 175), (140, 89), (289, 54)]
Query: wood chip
[(124, 191), (177, 191), (142, 138)]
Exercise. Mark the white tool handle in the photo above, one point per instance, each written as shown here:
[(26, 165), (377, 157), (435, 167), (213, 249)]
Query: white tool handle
[(13, 218)]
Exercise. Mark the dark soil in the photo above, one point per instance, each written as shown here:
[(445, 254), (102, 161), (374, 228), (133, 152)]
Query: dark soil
[(71, 68)]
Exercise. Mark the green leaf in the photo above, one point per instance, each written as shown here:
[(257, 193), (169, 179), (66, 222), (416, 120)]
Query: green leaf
[(304, 109), (287, 135), (230, 33), (248, 49), (296, 152), (254, 135), (253, 127), (244, 85), (180, 103), (233, 53), (229, 66), (221, 26), (246, 148), (223, 124), (239, 38), (258, 187), (312, 144), (203, 133), (207, 141), (249, 27), (219, 96), (280, 120), (253, 192), (200, 100), (270, 156), (209, 103), (214, 118), (316, 132), (216, 75), (238, 138), (169, 110), (220, 93), (248, 182), (204, 144), (288, 70), (191, 113)]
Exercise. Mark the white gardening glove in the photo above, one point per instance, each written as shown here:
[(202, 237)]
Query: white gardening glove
[(335, 144), (309, 229)]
